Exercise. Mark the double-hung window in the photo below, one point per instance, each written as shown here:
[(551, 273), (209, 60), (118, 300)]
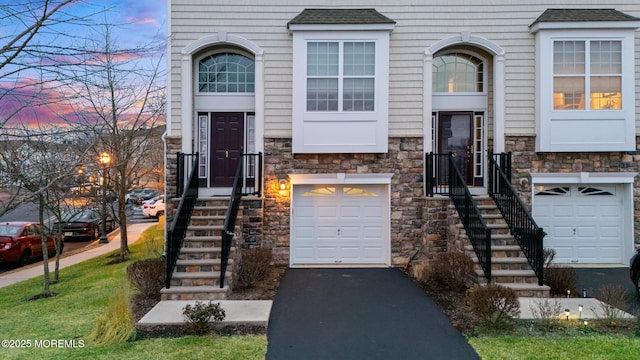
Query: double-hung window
[(341, 75), (587, 74)]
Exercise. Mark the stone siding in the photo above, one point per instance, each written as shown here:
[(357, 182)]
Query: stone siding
[(405, 160)]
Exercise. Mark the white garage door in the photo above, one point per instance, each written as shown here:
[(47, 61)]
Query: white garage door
[(340, 225), (583, 222)]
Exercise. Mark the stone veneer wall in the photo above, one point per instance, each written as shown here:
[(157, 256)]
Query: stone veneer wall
[(525, 161), (173, 145), (405, 159)]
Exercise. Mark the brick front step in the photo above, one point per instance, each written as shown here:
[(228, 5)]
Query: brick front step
[(201, 265), (195, 293), (201, 241), (205, 278), (200, 253)]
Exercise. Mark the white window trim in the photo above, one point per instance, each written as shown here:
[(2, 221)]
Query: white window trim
[(583, 130), (342, 131)]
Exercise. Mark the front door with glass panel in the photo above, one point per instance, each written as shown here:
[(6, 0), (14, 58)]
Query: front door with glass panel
[(455, 136)]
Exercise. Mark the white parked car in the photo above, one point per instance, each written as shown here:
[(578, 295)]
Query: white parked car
[(153, 208)]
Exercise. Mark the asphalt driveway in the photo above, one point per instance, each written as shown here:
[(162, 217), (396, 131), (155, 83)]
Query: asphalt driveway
[(593, 279), (359, 314)]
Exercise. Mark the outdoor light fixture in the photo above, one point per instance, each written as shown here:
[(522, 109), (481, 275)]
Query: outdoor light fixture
[(584, 293), (105, 159), (566, 313), (283, 184), (585, 321), (568, 293), (579, 311)]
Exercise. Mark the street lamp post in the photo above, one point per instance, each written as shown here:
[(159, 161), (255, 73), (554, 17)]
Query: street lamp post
[(105, 159)]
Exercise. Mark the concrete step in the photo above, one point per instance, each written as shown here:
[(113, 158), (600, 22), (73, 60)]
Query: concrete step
[(528, 290)]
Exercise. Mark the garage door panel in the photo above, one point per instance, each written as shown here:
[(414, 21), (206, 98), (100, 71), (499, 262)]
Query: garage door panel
[(585, 225), (340, 224)]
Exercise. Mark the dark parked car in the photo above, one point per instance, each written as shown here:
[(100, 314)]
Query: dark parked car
[(634, 270), (83, 224), (20, 242)]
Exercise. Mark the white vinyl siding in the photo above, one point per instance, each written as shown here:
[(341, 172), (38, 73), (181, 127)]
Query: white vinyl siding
[(503, 22)]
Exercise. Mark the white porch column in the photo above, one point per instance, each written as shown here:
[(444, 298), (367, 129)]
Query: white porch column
[(186, 103), (427, 101), (498, 103), (259, 101)]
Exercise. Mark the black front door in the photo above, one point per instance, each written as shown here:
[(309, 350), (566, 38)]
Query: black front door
[(227, 137), (455, 135)]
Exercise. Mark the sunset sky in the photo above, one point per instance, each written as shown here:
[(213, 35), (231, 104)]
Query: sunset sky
[(135, 23)]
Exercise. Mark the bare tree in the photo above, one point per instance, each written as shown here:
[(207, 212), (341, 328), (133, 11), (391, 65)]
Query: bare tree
[(32, 43), (123, 90), (41, 167), (32, 51)]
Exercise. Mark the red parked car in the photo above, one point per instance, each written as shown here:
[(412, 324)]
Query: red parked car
[(20, 242)]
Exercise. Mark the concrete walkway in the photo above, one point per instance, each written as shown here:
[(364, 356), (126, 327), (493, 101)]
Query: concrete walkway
[(94, 250)]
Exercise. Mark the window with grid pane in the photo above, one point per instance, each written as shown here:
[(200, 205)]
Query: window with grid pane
[(226, 73), (340, 76), (587, 75), (458, 72)]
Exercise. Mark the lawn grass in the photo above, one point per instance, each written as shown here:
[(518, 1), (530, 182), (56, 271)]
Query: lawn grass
[(549, 348), (82, 295)]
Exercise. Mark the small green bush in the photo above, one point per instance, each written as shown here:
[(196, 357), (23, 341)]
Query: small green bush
[(148, 276), (452, 271), (254, 266), (198, 316), (115, 325), (495, 306)]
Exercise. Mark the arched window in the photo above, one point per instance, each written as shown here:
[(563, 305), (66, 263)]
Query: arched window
[(226, 73), (458, 72)]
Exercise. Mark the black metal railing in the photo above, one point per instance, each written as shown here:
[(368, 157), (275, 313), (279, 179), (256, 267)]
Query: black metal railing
[(251, 174), (477, 231), (180, 222), (228, 230), (523, 228), (437, 173), (186, 163)]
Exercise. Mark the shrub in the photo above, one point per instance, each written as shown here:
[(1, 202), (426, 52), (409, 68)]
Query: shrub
[(547, 311), (115, 325), (254, 266), (612, 299), (495, 305), (561, 279), (198, 316), (148, 276), (452, 271)]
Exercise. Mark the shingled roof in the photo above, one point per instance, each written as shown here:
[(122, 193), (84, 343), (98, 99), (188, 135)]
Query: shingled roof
[(581, 15), (339, 16)]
